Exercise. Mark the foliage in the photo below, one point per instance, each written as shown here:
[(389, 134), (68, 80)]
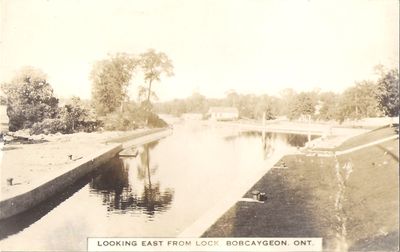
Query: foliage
[(303, 105), (328, 106), (111, 78), (78, 116), (118, 120), (72, 117), (132, 117), (143, 93), (359, 101), (154, 64), (196, 103), (50, 126), (155, 121), (110, 81), (388, 91), (249, 106), (3, 100), (30, 99)]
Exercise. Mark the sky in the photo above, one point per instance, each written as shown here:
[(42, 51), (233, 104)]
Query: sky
[(250, 46)]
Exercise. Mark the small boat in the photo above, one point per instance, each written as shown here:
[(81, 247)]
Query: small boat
[(129, 152)]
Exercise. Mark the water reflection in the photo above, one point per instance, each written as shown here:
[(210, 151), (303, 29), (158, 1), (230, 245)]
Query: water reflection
[(292, 139), (133, 197), (127, 186), (272, 141)]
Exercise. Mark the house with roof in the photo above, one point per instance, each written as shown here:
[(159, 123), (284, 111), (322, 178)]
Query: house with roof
[(223, 113)]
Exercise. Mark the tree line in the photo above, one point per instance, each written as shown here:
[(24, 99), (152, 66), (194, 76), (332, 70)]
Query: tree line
[(363, 99), (31, 103)]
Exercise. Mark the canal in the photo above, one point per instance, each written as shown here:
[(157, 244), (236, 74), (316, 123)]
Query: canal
[(171, 183)]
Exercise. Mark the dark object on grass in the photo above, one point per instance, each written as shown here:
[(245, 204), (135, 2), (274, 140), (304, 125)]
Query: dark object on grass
[(10, 181), (255, 194), (262, 197)]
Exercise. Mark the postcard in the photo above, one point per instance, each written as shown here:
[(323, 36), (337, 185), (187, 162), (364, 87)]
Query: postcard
[(173, 125)]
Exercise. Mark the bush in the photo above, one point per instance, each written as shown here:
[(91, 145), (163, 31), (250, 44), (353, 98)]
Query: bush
[(118, 121), (50, 126), (70, 119), (155, 121), (133, 118), (30, 99)]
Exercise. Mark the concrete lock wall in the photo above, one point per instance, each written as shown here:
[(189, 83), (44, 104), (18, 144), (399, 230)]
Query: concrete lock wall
[(27, 200), (24, 201)]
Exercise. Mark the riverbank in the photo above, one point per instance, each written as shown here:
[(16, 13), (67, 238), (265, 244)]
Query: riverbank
[(350, 201), (326, 136), (38, 164)]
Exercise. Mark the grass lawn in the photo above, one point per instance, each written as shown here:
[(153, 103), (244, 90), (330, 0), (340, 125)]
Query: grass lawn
[(368, 137), (302, 201)]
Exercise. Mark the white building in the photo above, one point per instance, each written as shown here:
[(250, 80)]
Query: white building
[(223, 113)]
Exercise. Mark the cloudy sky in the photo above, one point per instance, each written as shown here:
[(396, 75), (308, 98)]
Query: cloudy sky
[(251, 46)]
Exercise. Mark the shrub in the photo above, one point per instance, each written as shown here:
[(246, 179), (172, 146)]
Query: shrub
[(132, 118), (155, 121), (50, 126), (118, 121), (30, 99)]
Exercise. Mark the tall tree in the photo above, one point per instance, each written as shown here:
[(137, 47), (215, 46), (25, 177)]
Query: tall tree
[(110, 82), (30, 99), (388, 91), (196, 103), (74, 113), (329, 104), (359, 101), (287, 100), (155, 64), (303, 105)]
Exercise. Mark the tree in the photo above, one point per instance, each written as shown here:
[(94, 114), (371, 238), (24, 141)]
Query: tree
[(143, 94), (154, 64), (74, 113), (388, 91), (30, 99), (359, 101), (329, 106), (196, 103), (265, 104), (232, 98), (303, 105), (287, 100), (110, 82)]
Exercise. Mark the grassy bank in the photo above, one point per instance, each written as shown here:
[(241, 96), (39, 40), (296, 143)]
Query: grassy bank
[(368, 137), (352, 202)]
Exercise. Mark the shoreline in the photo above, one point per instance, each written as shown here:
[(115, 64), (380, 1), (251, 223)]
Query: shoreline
[(319, 194), (205, 222), (26, 195)]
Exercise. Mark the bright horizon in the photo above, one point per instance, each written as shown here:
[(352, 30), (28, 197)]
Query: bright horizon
[(251, 46)]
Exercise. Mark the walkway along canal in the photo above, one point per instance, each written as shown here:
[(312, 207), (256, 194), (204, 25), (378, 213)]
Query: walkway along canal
[(160, 193), (17, 199)]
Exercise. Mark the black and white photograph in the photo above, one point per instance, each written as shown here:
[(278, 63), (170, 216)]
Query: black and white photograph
[(199, 125)]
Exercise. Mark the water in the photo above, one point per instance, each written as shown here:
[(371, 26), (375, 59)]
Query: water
[(162, 191)]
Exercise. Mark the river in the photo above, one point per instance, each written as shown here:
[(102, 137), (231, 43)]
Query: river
[(167, 187)]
